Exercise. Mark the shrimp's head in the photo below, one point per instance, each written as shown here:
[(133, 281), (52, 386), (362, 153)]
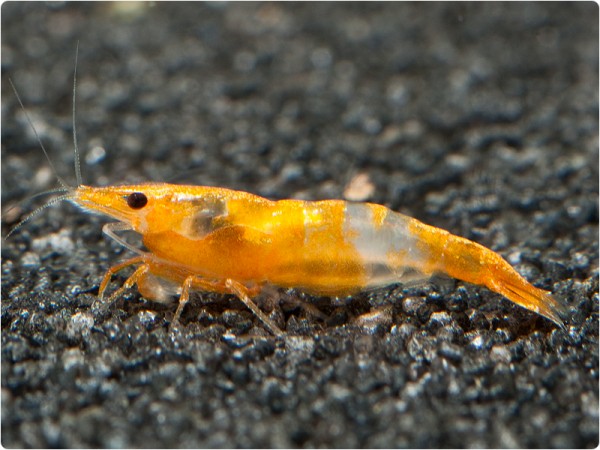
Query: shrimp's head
[(192, 211), (155, 207)]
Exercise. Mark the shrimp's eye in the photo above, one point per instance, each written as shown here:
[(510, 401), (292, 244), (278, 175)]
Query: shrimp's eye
[(137, 200)]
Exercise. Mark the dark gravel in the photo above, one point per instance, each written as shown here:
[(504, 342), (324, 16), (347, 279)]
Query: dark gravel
[(478, 118)]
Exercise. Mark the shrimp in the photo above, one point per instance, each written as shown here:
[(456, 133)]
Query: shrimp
[(232, 242), (227, 241)]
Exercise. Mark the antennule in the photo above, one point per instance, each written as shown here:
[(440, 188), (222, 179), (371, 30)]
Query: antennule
[(39, 210), (39, 194)]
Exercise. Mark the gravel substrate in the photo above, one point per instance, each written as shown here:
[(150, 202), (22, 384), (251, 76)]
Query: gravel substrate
[(479, 118)]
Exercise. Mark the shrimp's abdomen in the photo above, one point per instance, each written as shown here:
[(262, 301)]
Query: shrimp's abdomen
[(342, 248), (315, 254), (468, 261), (395, 248)]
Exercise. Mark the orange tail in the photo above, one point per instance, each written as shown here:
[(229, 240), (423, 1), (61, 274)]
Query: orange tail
[(474, 263), (505, 280)]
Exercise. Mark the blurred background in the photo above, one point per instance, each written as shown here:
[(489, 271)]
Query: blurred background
[(480, 118)]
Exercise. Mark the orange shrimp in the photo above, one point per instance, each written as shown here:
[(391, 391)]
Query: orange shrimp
[(226, 241), (234, 242)]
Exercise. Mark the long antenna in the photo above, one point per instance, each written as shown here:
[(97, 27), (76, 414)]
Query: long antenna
[(35, 212), (77, 163), (62, 182)]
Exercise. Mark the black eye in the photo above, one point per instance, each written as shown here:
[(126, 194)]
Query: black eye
[(137, 200)]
